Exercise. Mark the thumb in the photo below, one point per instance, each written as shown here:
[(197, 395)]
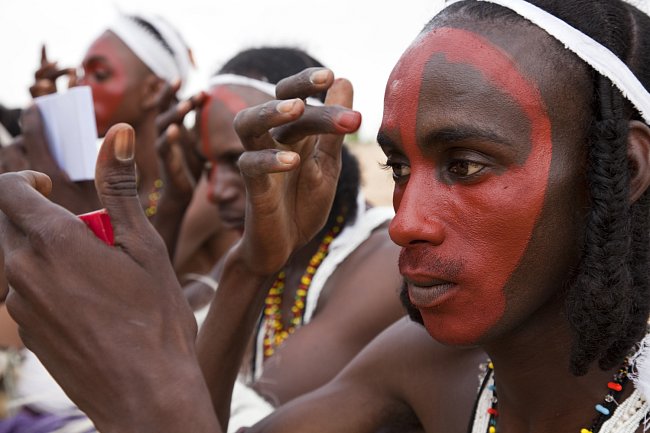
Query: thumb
[(115, 180)]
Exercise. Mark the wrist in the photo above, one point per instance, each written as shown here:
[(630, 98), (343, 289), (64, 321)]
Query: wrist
[(172, 402)]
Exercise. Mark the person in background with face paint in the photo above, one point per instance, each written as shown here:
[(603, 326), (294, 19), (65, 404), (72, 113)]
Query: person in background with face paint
[(130, 68), (338, 290), (201, 242), (133, 68), (517, 132)]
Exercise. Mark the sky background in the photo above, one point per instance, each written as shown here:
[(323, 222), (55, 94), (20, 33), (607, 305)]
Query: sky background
[(359, 40)]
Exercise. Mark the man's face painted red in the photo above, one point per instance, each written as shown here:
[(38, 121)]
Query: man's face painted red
[(115, 76), (220, 144), (469, 140)]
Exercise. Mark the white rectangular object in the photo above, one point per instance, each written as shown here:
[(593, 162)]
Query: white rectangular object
[(71, 130)]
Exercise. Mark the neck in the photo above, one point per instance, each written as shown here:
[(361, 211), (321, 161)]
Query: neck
[(146, 156), (536, 391)]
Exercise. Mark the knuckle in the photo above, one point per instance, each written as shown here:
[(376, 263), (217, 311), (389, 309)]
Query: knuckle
[(240, 122), (119, 185)]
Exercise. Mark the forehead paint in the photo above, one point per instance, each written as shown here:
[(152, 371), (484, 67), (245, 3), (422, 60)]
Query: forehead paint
[(233, 102), (487, 225)]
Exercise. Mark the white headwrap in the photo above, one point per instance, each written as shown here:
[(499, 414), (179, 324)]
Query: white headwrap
[(262, 86), (152, 52), (593, 53)]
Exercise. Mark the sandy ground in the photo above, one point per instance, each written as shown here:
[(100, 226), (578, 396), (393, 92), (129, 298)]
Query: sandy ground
[(377, 182)]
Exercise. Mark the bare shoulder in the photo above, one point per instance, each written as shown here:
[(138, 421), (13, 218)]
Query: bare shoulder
[(372, 266), (438, 383), (402, 381)]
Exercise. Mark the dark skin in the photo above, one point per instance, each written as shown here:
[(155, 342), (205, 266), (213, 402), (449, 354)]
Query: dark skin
[(140, 259), (203, 239), (528, 322), (356, 303)]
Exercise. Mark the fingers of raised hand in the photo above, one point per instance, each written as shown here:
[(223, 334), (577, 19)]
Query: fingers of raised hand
[(261, 162), (308, 82), (318, 120), (42, 87), (166, 95), (253, 124), (177, 113)]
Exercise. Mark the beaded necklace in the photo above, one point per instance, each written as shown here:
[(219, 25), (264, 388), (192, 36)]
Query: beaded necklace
[(154, 197), (275, 331), (611, 416)]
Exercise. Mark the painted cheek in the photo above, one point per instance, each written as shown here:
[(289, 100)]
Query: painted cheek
[(108, 99), (489, 224)]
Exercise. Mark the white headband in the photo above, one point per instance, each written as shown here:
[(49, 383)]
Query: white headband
[(262, 86), (151, 51), (596, 55)]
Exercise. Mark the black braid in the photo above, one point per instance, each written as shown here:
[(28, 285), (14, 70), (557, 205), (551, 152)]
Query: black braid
[(594, 304), (609, 302)]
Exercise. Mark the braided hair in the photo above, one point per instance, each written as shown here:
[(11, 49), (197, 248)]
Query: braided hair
[(272, 64), (608, 300)]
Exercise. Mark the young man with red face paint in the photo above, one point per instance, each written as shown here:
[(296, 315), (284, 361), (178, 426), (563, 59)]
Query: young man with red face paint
[(520, 149), (341, 298)]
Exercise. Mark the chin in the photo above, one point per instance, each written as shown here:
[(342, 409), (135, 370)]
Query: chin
[(453, 331)]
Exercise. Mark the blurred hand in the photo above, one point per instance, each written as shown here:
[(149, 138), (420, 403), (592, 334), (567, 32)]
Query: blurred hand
[(291, 165), (109, 323), (45, 77), (14, 156), (176, 145)]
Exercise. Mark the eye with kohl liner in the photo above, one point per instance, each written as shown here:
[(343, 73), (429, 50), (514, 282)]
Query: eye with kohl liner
[(464, 168), (99, 72), (400, 171)]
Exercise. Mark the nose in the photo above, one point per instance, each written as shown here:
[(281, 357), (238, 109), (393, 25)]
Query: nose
[(225, 185), (418, 216)]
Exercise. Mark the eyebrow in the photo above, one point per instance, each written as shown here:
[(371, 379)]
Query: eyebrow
[(462, 134), (385, 142), (448, 136), (94, 59)]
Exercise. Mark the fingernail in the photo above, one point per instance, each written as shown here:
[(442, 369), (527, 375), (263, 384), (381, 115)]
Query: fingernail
[(124, 144), (286, 157), (348, 119), (320, 76), (286, 106)]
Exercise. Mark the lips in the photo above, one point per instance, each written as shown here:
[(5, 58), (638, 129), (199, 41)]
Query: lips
[(430, 293), (430, 278)]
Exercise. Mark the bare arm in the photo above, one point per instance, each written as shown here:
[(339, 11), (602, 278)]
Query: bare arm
[(402, 381), (203, 239), (287, 187), (109, 323), (358, 302), (8, 330)]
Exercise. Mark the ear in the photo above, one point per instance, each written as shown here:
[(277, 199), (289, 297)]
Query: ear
[(152, 88), (638, 155)]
